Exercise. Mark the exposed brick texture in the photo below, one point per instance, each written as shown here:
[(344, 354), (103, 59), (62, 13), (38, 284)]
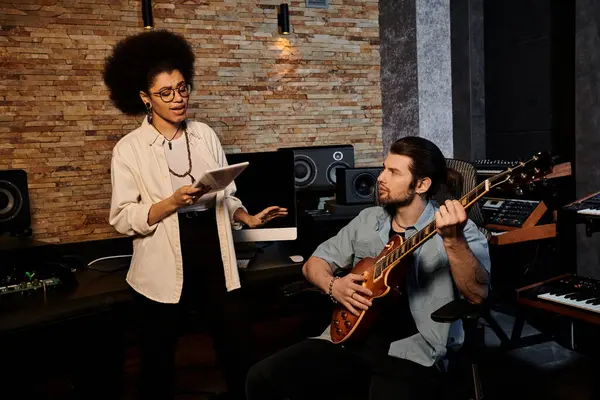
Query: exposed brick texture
[(258, 90)]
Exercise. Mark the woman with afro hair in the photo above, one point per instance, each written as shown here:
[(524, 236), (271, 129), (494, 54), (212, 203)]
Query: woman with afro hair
[(183, 248)]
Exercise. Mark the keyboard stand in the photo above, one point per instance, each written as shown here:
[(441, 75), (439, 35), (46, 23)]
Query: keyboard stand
[(592, 224), (516, 338), (538, 232)]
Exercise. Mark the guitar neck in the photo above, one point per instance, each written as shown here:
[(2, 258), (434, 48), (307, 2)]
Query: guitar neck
[(411, 244)]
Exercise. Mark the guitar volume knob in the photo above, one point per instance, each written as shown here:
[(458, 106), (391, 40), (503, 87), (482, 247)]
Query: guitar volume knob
[(347, 324), (344, 315)]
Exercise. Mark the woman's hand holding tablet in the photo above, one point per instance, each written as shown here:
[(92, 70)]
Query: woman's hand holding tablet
[(218, 179)]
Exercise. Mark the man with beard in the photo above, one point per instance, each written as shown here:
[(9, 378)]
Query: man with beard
[(403, 353)]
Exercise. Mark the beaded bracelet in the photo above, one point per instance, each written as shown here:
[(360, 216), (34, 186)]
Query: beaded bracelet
[(331, 288)]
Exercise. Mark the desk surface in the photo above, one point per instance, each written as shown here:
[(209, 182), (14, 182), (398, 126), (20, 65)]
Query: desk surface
[(272, 260), (97, 292)]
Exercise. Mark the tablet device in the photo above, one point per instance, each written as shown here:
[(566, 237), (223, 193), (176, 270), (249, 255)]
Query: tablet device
[(218, 179)]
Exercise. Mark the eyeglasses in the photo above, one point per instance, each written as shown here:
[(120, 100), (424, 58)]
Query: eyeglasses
[(168, 95)]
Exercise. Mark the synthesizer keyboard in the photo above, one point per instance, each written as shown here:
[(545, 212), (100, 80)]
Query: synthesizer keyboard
[(508, 212), (588, 206), (585, 210), (492, 167), (571, 291)]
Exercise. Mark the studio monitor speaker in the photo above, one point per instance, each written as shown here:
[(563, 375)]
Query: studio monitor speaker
[(357, 185), (15, 217), (315, 167)]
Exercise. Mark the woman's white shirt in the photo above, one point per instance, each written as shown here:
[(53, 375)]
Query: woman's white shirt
[(140, 177)]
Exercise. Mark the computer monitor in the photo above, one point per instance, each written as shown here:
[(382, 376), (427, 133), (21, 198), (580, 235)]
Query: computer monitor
[(267, 181)]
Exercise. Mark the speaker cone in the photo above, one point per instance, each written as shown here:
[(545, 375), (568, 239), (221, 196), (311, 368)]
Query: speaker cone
[(305, 171), (331, 174), (364, 185), (11, 201)]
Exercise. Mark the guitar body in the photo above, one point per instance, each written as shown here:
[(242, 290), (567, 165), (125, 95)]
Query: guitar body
[(344, 324)]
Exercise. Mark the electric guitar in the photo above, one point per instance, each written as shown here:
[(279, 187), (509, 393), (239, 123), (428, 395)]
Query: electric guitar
[(388, 269)]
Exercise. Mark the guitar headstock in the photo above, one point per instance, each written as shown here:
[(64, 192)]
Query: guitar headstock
[(524, 175)]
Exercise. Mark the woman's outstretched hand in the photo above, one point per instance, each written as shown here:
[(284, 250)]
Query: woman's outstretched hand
[(266, 215)]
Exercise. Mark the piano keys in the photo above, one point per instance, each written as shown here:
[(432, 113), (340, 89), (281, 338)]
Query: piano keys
[(592, 207), (570, 295), (584, 211), (589, 303), (589, 205), (573, 291)]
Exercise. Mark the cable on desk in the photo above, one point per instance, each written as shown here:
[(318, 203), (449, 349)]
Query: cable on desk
[(108, 258)]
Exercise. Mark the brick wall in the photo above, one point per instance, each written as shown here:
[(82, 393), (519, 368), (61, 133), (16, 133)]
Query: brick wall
[(257, 89)]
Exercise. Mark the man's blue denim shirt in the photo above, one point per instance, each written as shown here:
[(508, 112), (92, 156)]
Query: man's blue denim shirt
[(429, 282)]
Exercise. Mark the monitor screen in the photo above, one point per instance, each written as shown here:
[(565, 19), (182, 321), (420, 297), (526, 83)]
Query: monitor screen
[(267, 181)]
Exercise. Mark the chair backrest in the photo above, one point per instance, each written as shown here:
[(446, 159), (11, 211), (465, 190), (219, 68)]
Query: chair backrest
[(469, 181)]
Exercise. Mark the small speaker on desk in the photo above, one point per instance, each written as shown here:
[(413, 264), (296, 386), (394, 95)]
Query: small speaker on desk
[(15, 217), (357, 185), (315, 167)]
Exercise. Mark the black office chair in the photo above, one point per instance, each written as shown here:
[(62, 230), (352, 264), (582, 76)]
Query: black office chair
[(468, 356)]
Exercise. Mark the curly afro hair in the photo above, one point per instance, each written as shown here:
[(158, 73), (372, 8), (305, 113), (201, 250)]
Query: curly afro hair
[(137, 60)]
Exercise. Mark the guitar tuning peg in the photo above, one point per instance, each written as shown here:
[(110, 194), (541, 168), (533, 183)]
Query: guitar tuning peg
[(531, 186), (519, 191)]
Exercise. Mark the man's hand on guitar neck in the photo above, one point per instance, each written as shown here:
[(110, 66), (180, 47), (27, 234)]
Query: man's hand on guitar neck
[(450, 221)]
